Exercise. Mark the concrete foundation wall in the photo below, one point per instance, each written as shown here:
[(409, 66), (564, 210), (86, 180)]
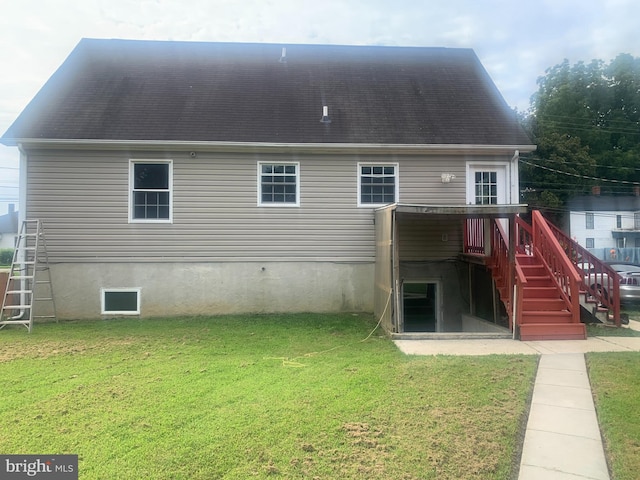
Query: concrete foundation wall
[(216, 288)]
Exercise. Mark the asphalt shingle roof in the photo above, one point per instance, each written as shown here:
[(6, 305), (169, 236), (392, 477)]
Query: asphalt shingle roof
[(186, 91)]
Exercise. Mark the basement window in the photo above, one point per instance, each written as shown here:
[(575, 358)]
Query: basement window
[(120, 301)]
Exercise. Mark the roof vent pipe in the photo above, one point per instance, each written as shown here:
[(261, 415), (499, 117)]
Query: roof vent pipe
[(283, 56), (325, 115)]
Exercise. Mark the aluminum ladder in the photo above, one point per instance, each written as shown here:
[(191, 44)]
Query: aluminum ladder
[(29, 281)]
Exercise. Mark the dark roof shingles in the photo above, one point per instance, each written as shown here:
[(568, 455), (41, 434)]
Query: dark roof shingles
[(140, 90)]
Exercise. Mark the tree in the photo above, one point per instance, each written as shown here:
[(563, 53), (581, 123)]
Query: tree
[(585, 119)]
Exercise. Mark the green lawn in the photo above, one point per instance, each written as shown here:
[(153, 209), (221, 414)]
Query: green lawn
[(615, 380), (297, 396)]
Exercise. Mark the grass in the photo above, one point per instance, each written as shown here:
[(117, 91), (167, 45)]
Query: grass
[(615, 380), (630, 309), (297, 396), (599, 330)]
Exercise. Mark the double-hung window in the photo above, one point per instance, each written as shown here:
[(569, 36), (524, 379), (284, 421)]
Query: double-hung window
[(278, 184), (588, 221), (150, 191), (377, 184)]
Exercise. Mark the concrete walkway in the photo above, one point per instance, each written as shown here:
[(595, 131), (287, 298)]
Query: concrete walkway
[(562, 440)]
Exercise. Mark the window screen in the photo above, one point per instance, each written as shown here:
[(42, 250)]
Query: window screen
[(151, 196)]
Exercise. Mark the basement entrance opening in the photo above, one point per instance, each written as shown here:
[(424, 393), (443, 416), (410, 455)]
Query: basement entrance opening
[(420, 306)]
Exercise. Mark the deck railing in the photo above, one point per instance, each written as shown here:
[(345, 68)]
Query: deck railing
[(474, 236), (573, 267), (524, 237), (505, 278), (598, 279)]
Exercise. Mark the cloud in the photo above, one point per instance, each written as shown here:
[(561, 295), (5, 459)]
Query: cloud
[(516, 41)]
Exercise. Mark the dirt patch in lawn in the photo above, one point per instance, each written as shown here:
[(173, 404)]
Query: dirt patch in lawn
[(46, 349)]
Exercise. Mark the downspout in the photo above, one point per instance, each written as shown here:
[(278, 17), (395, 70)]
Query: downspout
[(514, 178), (22, 216)]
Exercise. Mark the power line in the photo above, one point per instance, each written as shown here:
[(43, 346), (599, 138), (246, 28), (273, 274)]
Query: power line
[(582, 165), (577, 175)]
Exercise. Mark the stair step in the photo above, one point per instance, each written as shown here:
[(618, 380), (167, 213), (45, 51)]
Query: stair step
[(553, 331), (547, 317), (540, 292), (543, 304), (523, 259), (534, 270), (540, 281)]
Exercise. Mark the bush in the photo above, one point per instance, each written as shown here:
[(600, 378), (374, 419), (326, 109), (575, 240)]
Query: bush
[(6, 256)]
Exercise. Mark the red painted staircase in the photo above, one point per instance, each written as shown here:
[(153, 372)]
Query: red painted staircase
[(537, 283), (545, 314), (539, 276)]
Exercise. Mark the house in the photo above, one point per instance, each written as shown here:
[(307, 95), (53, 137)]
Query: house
[(200, 178), (609, 226), (9, 228)]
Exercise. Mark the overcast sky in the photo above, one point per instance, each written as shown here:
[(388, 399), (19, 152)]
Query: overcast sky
[(515, 40)]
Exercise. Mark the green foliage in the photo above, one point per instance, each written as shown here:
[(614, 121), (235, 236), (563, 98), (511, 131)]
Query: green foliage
[(236, 397), (6, 256), (585, 119)]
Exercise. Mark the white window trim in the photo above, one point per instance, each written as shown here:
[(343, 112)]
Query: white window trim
[(259, 185), (396, 171), (132, 162), (103, 311)]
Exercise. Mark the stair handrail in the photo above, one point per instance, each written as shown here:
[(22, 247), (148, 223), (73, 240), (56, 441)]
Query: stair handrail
[(597, 272), (524, 238), (558, 264), (500, 261)]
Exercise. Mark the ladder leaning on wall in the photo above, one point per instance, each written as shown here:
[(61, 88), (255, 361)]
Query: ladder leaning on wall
[(29, 283)]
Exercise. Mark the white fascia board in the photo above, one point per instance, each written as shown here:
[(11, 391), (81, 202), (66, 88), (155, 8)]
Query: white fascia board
[(372, 148)]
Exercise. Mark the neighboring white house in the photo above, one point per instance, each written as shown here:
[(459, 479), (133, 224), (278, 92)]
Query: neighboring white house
[(9, 228), (608, 224)]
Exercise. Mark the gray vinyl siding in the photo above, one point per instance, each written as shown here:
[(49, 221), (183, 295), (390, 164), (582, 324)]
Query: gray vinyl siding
[(420, 181), (430, 238), (82, 197)]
